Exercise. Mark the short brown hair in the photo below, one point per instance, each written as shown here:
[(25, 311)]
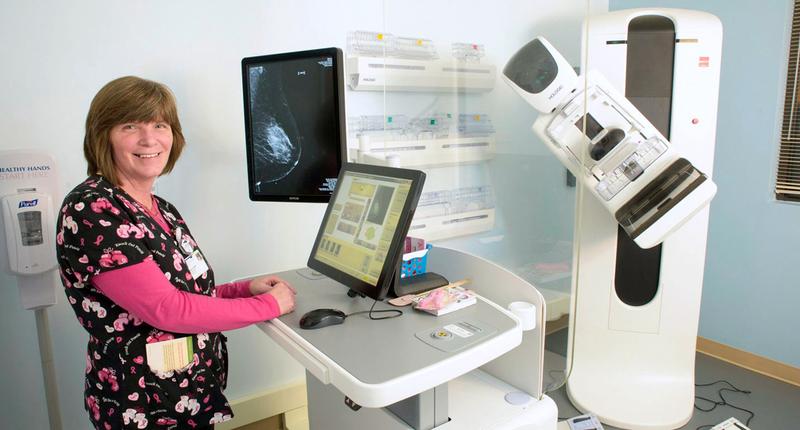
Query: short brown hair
[(127, 99)]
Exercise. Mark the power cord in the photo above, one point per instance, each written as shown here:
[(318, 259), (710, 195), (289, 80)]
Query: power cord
[(722, 402), (395, 313)]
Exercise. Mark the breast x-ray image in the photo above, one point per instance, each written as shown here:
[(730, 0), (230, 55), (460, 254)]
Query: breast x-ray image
[(293, 124)]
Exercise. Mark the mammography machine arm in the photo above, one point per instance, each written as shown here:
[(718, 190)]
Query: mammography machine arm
[(608, 145)]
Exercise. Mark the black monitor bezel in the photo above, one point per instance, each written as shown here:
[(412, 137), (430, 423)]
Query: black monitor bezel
[(338, 76), (390, 266)]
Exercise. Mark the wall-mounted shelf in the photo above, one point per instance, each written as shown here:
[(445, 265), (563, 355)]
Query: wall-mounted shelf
[(453, 225), (398, 74), (433, 152)]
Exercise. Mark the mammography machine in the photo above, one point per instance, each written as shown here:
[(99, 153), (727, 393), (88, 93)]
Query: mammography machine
[(621, 157), (642, 231)]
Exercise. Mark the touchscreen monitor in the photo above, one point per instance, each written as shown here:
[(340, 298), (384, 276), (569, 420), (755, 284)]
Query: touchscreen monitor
[(294, 124), (361, 237)]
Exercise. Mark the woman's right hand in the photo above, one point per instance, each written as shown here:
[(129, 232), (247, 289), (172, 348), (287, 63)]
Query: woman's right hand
[(284, 295)]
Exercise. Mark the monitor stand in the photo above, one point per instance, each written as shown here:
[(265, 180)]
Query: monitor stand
[(419, 283), (409, 285), (415, 284)]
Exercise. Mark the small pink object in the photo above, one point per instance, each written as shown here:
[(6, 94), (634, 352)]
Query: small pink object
[(434, 300)]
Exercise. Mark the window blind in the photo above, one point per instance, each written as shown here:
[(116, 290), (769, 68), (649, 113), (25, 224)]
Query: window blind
[(787, 184)]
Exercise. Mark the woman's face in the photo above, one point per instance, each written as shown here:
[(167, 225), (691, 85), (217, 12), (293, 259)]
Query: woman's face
[(141, 149)]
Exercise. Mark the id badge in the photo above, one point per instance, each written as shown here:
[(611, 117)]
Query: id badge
[(169, 355), (196, 264), (192, 256)]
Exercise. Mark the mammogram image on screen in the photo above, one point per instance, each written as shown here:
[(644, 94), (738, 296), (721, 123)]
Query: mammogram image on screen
[(277, 143), (380, 205), (293, 126)]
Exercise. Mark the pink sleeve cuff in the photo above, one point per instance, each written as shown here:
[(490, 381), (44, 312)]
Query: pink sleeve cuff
[(234, 290), (144, 291)]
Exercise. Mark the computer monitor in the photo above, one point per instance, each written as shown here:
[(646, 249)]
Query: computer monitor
[(360, 240), (294, 124)]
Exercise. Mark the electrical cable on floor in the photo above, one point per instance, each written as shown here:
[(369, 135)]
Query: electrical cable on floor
[(722, 402)]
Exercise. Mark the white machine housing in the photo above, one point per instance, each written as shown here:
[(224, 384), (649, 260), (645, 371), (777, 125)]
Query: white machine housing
[(634, 328), (609, 145)]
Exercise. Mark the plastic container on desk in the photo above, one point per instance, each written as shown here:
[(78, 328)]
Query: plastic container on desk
[(414, 263)]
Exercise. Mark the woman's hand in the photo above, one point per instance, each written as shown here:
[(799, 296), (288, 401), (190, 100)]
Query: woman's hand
[(284, 295), (265, 284), (278, 288)]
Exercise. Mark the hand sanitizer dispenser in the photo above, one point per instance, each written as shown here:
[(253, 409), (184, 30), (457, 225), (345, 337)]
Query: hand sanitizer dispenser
[(27, 218), (28, 187)]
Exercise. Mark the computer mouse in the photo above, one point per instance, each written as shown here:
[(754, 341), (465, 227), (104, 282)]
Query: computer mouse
[(319, 318)]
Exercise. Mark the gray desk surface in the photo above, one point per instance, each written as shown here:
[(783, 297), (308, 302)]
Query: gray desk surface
[(378, 351)]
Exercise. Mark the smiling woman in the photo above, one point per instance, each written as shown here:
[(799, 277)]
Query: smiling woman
[(140, 151), (126, 103), (138, 281)]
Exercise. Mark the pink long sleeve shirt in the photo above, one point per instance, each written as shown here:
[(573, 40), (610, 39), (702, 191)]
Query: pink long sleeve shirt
[(157, 302)]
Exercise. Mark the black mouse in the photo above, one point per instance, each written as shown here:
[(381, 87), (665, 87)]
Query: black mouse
[(319, 318)]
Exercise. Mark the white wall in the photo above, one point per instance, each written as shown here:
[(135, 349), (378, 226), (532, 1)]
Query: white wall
[(57, 54)]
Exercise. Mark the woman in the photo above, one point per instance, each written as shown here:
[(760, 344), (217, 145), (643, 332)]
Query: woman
[(137, 280)]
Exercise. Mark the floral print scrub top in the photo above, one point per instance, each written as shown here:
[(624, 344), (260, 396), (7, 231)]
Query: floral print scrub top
[(101, 228)]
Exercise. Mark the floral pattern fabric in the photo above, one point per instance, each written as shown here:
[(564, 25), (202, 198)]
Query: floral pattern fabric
[(101, 228)]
